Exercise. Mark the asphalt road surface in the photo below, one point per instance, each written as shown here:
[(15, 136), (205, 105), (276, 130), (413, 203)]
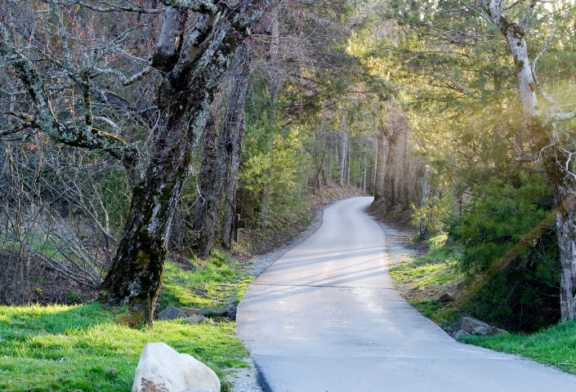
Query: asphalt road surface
[(325, 318)]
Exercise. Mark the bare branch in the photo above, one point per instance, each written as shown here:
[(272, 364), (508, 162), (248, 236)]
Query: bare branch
[(562, 116), (21, 116), (527, 159), (202, 6), (165, 55), (513, 5), (117, 8), (524, 22), (46, 120), (125, 81), (17, 129), (107, 121), (544, 49)]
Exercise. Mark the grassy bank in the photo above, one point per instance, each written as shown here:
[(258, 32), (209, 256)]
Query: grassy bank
[(423, 279), (87, 348), (83, 348)]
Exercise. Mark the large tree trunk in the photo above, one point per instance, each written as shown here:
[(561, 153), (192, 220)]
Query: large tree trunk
[(564, 187), (207, 214), (192, 68), (566, 230), (184, 99), (136, 272)]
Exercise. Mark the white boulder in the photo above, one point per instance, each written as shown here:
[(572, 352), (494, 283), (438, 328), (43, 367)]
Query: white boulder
[(163, 369)]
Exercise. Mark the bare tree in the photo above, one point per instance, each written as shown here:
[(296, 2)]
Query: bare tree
[(191, 66)]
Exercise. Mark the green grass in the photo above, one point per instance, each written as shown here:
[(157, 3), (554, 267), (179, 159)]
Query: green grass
[(62, 348), (423, 279), (554, 346), (209, 283), (69, 348)]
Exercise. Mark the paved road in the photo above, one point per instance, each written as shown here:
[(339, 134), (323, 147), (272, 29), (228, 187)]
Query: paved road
[(324, 317)]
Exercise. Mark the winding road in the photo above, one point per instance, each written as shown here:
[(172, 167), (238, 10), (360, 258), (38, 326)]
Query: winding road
[(325, 318)]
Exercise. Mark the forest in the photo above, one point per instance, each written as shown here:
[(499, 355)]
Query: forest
[(143, 137)]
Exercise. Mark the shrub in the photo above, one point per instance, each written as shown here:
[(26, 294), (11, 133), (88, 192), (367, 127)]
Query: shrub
[(525, 295)]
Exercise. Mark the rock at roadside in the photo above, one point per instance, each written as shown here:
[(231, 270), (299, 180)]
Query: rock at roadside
[(212, 312), (474, 327), (461, 334), (171, 313), (161, 368), (445, 298), (195, 319), (189, 311), (497, 331), (231, 312)]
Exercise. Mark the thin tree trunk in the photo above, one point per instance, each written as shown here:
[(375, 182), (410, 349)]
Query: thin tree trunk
[(373, 171), (381, 161), (230, 200), (209, 151), (343, 155), (424, 198), (364, 163), (349, 161)]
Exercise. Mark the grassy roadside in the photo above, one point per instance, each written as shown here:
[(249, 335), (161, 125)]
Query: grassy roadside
[(86, 348), (423, 279)]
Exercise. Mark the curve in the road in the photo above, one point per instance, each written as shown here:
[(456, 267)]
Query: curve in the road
[(325, 318)]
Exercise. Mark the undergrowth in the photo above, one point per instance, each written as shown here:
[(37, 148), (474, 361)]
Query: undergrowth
[(216, 283)]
